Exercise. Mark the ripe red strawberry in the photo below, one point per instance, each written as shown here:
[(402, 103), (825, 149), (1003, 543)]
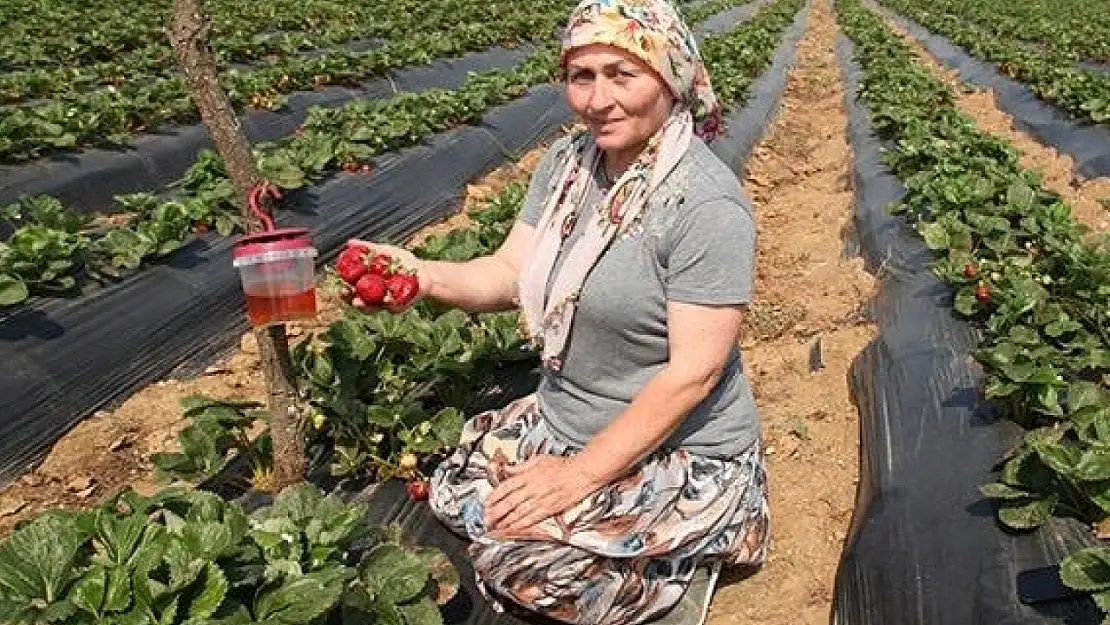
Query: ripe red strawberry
[(971, 270), (371, 289), (381, 265), (983, 292), (350, 167), (403, 288), (365, 168), (418, 489), (352, 263)]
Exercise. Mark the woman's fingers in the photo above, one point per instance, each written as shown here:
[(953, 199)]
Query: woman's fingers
[(507, 497)]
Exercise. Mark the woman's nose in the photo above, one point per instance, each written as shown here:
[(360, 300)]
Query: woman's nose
[(601, 97)]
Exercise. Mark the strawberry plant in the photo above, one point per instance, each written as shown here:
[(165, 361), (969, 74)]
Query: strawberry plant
[(1024, 271), (183, 556), (218, 432)]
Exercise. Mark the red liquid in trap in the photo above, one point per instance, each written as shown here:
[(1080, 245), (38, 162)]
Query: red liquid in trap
[(266, 309)]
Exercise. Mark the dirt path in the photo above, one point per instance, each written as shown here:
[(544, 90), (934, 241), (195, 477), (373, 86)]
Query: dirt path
[(981, 104), (110, 450), (807, 291)]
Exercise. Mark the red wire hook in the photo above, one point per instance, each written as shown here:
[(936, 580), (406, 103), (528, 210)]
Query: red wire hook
[(260, 190)]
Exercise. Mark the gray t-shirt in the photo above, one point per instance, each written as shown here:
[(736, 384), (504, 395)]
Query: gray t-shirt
[(696, 245)]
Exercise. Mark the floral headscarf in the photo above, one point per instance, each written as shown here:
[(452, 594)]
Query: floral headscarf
[(652, 31)]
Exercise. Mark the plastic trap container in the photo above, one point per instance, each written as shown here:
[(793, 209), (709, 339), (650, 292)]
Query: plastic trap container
[(277, 271)]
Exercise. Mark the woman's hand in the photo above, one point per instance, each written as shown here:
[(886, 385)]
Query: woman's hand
[(540, 488), (408, 262)]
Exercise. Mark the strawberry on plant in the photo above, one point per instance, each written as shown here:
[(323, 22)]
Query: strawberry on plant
[(983, 292), (365, 168), (403, 288), (971, 270), (371, 289), (418, 489)]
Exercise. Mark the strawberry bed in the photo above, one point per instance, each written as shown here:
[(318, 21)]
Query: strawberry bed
[(1031, 289)]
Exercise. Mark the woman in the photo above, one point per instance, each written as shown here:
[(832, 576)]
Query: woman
[(638, 458)]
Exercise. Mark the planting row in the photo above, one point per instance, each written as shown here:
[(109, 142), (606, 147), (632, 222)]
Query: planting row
[(1023, 271), (1077, 28), (110, 116), (360, 27), (53, 251), (49, 34), (1055, 78)]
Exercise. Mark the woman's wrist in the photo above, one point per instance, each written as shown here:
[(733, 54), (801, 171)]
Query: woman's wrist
[(426, 273), (591, 478)]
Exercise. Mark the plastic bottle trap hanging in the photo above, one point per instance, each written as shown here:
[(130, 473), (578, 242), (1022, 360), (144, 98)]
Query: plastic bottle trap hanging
[(276, 267)]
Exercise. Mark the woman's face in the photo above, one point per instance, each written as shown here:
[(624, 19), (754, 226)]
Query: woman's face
[(619, 98)]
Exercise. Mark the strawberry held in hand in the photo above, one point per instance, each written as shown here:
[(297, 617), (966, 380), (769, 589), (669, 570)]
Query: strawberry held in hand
[(352, 263), (371, 289), (403, 288), (376, 278), (382, 265)]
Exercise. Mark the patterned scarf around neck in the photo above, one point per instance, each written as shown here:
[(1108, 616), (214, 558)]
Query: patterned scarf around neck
[(549, 317)]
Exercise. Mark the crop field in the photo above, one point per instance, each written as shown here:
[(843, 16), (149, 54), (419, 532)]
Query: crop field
[(928, 344)]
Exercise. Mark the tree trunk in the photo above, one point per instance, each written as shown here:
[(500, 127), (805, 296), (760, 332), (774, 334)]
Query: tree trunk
[(189, 37)]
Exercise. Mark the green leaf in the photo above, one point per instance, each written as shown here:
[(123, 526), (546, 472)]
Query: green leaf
[(12, 290), (1021, 197), (965, 303), (118, 537), (394, 573), (208, 540), (213, 589), (1093, 465), (447, 425), (301, 600), (423, 612), (1025, 514), (388, 613), (997, 490), (935, 235), (1102, 600), (1060, 458), (88, 593), (1087, 570), (38, 560)]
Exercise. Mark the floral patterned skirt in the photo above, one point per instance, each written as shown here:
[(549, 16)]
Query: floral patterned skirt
[(623, 555)]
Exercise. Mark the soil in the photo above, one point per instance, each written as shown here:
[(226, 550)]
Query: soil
[(110, 450), (1089, 198), (808, 291)]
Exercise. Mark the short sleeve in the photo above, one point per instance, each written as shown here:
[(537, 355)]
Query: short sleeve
[(709, 254), (536, 198)]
